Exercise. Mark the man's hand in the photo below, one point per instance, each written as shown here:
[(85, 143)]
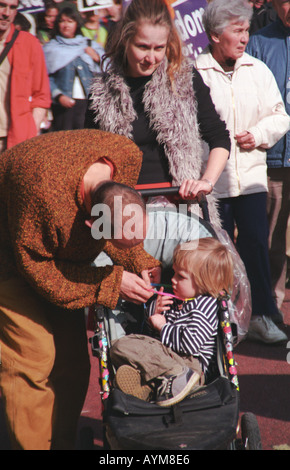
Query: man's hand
[(134, 289), (151, 276)]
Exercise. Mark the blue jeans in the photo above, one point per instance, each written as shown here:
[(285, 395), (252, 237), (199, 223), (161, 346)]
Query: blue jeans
[(249, 214)]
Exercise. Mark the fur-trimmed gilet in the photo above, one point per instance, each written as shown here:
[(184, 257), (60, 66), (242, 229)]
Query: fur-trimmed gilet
[(172, 115)]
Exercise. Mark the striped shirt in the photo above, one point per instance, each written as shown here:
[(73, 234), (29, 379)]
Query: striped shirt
[(191, 330)]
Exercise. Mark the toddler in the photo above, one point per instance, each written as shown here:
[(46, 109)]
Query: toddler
[(186, 323)]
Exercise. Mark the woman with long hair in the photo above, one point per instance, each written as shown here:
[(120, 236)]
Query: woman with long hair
[(152, 94)]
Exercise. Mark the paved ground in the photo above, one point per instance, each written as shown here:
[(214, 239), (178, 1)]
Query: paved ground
[(264, 376)]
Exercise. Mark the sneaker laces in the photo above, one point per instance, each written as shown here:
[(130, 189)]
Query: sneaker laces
[(269, 324), (165, 387)]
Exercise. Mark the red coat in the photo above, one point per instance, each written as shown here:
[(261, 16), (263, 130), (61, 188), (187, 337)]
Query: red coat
[(29, 86)]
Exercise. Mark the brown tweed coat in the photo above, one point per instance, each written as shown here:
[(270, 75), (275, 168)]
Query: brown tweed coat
[(43, 236)]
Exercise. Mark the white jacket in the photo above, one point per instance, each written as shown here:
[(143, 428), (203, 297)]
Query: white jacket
[(248, 100)]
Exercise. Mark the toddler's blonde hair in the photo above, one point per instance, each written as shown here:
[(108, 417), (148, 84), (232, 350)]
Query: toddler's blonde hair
[(209, 262)]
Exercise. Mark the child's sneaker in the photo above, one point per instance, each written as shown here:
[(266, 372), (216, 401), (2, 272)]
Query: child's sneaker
[(175, 388), (128, 379)]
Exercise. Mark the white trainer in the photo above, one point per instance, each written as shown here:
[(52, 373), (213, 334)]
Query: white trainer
[(263, 329)]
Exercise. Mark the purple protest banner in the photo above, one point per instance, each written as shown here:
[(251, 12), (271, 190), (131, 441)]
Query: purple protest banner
[(188, 21)]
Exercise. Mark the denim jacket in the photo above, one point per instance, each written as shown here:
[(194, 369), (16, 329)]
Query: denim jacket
[(66, 58), (272, 45), (61, 82)]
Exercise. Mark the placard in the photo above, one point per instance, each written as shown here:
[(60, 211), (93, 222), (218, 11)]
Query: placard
[(31, 6), (87, 5), (188, 21)]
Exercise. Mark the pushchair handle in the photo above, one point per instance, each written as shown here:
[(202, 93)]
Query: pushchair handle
[(150, 192), (201, 197)]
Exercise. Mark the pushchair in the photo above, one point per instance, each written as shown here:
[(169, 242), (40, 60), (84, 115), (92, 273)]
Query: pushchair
[(207, 419)]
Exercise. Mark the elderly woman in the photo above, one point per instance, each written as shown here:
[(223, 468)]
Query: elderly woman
[(152, 95), (246, 96)]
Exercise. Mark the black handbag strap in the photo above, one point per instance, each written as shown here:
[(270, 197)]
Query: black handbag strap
[(8, 46)]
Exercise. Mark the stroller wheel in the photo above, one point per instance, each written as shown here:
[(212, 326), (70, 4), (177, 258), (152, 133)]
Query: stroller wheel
[(250, 432)]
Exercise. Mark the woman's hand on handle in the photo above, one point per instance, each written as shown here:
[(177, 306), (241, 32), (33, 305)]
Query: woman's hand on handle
[(190, 188), (216, 163)]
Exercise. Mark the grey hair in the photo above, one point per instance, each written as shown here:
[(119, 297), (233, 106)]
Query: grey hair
[(219, 13)]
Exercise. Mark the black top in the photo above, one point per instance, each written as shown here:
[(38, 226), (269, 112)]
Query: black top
[(155, 167)]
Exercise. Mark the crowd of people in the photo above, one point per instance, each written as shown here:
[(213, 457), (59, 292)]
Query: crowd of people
[(57, 74), (95, 104)]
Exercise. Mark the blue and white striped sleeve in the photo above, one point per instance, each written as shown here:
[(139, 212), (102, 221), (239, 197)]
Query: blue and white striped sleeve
[(196, 327)]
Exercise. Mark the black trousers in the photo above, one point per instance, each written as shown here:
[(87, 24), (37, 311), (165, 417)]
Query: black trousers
[(66, 119), (249, 214)]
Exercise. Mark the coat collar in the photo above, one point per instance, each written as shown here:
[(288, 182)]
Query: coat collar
[(206, 61)]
